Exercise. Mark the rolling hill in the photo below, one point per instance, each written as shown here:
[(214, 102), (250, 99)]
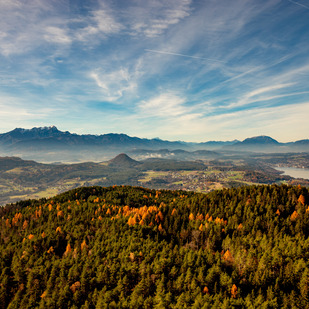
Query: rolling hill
[(129, 247)]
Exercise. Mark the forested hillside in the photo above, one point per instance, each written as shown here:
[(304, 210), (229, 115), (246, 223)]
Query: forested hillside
[(131, 247)]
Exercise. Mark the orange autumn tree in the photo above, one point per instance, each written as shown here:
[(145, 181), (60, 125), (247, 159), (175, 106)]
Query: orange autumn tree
[(228, 256), (83, 245), (294, 216), (301, 199), (68, 249), (132, 221), (234, 291)]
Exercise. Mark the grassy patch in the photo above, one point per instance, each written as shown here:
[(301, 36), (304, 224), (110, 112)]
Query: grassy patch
[(149, 175)]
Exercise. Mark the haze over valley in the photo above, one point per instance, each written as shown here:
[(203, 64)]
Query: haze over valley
[(48, 144), (61, 161)]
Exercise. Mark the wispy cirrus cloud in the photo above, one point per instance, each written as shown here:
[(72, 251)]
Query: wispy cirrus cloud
[(175, 69), (164, 105), (98, 24), (57, 35), (155, 17), (15, 112), (280, 120), (256, 95), (27, 25), (114, 84)]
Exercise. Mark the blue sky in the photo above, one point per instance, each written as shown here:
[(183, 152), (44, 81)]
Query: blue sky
[(178, 70)]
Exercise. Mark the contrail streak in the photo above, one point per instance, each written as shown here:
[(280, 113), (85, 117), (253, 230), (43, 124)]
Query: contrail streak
[(300, 4), (182, 55)]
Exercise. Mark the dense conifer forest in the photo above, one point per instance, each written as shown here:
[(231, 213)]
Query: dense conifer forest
[(131, 247)]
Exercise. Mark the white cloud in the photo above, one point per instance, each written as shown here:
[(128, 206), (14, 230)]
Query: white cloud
[(114, 84), (172, 119), (167, 115), (284, 123), (95, 51), (267, 89), (57, 35), (100, 22), (166, 105), (27, 25), (254, 95), (9, 4), (154, 18), (17, 112)]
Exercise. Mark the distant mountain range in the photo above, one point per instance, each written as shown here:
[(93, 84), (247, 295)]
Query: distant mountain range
[(269, 145), (48, 137), (50, 144)]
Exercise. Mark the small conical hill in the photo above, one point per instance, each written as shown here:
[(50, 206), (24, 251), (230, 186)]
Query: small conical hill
[(123, 160)]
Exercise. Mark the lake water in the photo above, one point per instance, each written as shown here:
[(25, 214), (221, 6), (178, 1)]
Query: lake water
[(294, 172)]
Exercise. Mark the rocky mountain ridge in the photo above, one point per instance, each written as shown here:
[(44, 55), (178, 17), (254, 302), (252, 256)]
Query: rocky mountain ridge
[(48, 144)]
